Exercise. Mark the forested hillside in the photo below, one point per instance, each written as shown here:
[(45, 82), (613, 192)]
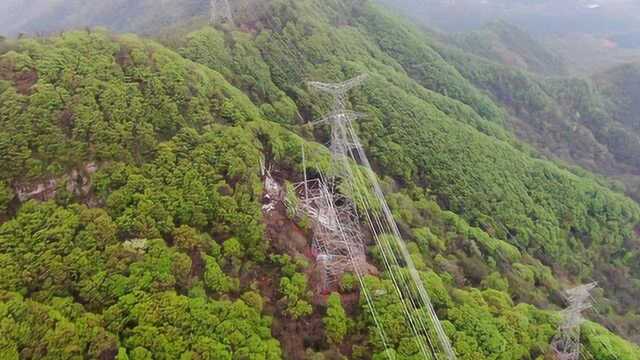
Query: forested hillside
[(621, 85), (587, 122), (509, 45), (131, 196)]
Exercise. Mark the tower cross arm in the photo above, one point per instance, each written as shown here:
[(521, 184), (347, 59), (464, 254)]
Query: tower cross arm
[(582, 290), (338, 88)]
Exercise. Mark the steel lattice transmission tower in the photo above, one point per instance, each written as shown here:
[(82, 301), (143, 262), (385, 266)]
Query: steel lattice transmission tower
[(338, 245), (339, 116), (339, 90), (566, 343), (220, 11), (373, 208)]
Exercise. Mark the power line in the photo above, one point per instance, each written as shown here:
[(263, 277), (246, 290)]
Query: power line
[(347, 151), (341, 158), (337, 243), (381, 233)]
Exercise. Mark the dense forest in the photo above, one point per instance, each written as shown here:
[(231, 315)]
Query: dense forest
[(584, 121), (132, 188)]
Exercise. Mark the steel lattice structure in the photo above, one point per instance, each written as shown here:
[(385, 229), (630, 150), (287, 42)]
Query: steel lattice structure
[(566, 343), (338, 245), (369, 206)]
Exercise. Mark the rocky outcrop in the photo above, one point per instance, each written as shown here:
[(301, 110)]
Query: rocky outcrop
[(43, 191), (78, 183)]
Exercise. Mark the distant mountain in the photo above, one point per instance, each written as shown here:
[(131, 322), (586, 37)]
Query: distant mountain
[(591, 35), (622, 85), (507, 44), (45, 16), (535, 16), (587, 121), (588, 54)]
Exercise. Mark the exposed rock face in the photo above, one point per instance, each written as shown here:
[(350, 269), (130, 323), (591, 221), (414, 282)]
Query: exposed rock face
[(283, 233), (287, 236), (78, 183), (43, 191)]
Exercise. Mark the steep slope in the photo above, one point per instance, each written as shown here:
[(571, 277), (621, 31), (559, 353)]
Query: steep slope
[(577, 120), (620, 89), (152, 240), (390, 47), (590, 36), (135, 112)]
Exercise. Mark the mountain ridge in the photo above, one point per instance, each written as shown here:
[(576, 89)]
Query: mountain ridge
[(494, 228)]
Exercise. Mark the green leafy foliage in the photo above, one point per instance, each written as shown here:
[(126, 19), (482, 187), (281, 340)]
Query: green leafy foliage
[(236, 56), (163, 255), (6, 195), (60, 330), (602, 345), (214, 278), (335, 321), (171, 179), (168, 325), (348, 282), (295, 290)]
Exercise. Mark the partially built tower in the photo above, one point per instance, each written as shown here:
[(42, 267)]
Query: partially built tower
[(356, 178), (566, 343)]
